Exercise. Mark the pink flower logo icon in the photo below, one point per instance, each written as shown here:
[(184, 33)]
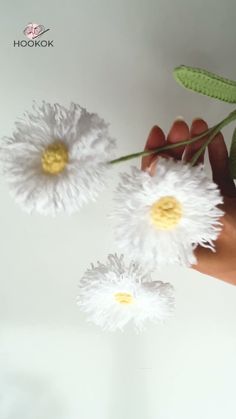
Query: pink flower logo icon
[(33, 30)]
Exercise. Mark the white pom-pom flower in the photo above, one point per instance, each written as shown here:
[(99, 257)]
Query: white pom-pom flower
[(162, 218), (113, 295), (56, 160)]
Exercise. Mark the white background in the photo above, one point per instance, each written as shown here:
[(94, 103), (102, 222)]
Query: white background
[(115, 58)]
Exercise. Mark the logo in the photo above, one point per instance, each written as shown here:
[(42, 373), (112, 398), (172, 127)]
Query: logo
[(34, 32)]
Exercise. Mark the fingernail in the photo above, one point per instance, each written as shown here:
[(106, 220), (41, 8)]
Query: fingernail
[(179, 118), (153, 128), (196, 119)]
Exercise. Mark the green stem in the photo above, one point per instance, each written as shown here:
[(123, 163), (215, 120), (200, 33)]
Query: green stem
[(158, 149), (213, 131), (231, 117)]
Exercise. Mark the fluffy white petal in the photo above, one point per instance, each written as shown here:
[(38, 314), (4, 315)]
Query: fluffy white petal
[(151, 300), (89, 146), (135, 232)]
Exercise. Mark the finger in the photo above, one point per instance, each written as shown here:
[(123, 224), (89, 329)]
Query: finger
[(178, 132), (219, 160), (210, 263), (156, 138), (198, 126)]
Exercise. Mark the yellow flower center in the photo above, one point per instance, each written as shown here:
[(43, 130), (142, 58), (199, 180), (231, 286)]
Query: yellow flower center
[(166, 212), (124, 298), (55, 158)]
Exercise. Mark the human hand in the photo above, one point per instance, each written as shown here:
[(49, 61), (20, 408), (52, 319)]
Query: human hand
[(222, 263)]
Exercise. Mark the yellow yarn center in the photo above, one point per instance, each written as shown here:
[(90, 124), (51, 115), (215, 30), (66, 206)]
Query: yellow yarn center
[(55, 158), (166, 212), (124, 298)]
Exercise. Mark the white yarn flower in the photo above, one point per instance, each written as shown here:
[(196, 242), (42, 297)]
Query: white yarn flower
[(56, 160), (161, 219), (113, 295)]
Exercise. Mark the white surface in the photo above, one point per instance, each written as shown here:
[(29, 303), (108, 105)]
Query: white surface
[(115, 58)]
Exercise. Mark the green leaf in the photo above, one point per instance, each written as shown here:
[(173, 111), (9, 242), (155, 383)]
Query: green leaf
[(207, 83), (232, 156)]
